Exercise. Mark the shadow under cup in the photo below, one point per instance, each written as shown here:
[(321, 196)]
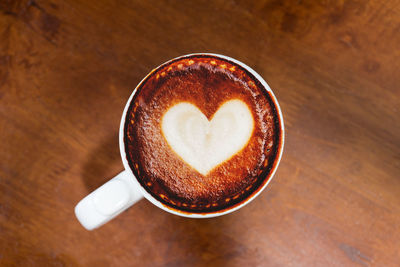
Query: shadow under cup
[(152, 185)]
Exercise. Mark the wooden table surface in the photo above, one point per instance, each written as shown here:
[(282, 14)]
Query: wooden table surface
[(68, 67)]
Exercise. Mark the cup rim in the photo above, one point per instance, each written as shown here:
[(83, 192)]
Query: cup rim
[(239, 205)]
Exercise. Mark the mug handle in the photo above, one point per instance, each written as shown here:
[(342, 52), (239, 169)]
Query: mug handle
[(108, 201)]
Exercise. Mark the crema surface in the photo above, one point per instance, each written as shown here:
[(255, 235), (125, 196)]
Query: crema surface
[(201, 134)]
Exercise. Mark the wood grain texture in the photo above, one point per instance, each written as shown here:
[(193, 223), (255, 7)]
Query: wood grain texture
[(68, 67)]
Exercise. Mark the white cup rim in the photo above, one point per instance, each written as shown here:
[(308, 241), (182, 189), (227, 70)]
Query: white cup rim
[(235, 207)]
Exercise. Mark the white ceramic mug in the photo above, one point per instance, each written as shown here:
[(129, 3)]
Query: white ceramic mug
[(124, 190)]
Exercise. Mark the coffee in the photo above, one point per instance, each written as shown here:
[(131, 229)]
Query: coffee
[(202, 134)]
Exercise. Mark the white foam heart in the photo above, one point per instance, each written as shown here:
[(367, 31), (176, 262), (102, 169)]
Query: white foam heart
[(205, 144)]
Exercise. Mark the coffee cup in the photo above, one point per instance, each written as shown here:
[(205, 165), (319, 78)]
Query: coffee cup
[(190, 161)]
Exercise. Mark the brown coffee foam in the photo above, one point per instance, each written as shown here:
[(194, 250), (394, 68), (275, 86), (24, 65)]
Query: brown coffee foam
[(206, 82)]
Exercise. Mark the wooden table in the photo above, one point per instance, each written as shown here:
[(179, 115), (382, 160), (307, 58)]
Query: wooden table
[(68, 67)]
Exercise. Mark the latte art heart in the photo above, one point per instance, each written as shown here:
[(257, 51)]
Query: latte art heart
[(205, 144)]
